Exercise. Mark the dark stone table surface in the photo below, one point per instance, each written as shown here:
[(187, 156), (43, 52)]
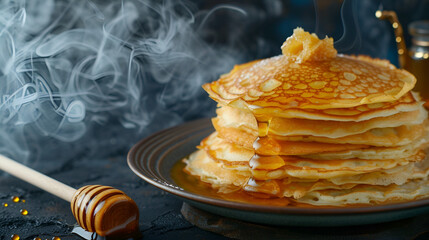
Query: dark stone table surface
[(49, 216), (160, 212)]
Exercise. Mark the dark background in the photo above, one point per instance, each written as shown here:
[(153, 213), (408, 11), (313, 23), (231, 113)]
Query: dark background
[(160, 52)]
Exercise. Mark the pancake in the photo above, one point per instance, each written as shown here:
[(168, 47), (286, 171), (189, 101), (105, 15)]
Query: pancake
[(294, 190), (220, 148), (241, 127), (271, 146), (368, 194), (383, 137), (223, 149), (335, 129), (377, 152), (279, 83), (209, 171), (277, 167), (228, 180), (322, 169), (408, 102), (243, 132), (398, 175)]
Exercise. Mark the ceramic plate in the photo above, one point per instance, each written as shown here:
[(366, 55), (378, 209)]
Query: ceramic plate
[(153, 158)]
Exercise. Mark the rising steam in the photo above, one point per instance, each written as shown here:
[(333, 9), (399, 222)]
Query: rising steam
[(91, 78), (79, 76), (353, 26)]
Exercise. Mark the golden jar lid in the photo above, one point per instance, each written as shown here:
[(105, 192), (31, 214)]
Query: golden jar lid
[(420, 32)]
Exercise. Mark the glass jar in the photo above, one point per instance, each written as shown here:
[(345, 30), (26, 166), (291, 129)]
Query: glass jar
[(418, 63)]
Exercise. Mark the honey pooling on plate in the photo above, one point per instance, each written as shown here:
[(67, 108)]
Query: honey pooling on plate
[(315, 127), (15, 199)]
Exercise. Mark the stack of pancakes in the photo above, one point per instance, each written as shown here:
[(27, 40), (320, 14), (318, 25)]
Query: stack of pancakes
[(318, 128)]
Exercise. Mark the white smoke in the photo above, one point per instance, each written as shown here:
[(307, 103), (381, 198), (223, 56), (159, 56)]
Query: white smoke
[(82, 76), (91, 78), (354, 27)]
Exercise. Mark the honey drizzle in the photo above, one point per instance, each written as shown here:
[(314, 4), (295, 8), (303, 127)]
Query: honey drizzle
[(259, 192), (266, 162), (194, 185)]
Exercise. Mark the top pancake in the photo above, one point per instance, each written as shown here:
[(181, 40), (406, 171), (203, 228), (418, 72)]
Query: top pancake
[(409, 102), (336, 81)]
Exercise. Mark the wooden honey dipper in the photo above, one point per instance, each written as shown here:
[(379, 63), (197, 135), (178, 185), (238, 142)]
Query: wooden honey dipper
[(101, 209)]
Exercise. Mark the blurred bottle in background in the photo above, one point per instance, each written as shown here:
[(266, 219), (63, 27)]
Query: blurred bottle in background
[(418, 63)]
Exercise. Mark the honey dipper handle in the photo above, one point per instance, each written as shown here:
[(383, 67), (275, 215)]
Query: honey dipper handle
[(37, 179)]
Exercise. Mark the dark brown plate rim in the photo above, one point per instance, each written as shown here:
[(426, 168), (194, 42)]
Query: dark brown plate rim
[(171, 187)]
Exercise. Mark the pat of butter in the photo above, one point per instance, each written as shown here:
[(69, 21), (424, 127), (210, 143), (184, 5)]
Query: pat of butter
[(303, 46)]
